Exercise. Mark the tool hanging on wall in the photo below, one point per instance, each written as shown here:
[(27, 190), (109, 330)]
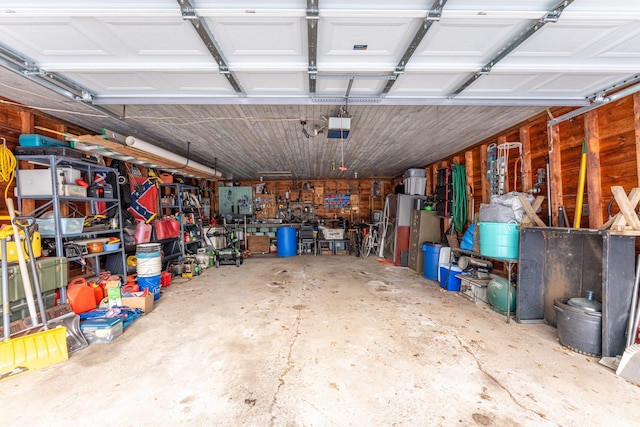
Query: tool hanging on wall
[(502, 161), (492, 169), (460, 204), (581, 180)]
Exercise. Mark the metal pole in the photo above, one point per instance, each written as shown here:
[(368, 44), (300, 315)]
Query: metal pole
[(6, 316), (633, 314), (549, 195)]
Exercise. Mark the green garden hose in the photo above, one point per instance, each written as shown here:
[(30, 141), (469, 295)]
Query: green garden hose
[(460, 201)]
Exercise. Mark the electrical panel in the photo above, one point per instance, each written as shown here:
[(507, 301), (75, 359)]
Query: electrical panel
[(444, 192)]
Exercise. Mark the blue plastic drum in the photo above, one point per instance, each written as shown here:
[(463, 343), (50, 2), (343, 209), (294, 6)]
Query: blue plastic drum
[(286, 241)]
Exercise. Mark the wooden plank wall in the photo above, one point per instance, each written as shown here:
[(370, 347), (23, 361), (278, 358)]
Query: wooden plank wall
[(612, 134), (363, 200), (15, 121)]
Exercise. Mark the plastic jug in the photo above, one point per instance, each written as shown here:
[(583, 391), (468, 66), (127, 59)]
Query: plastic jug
[(81, 296), (142, 233)]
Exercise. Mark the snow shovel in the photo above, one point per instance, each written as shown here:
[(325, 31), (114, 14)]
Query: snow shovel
[(33, 350), (75, 339)]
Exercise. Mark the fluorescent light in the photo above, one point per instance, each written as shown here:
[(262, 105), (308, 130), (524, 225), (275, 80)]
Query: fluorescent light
[(274, 173)]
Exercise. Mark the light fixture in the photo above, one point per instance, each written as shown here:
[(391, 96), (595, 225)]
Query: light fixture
[(274, 173), (316, 131)]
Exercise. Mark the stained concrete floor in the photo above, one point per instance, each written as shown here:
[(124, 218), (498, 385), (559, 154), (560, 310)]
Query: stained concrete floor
[(321, 341)]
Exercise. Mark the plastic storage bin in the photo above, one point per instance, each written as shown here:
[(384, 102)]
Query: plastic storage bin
[(415, 173), (101, 329), (333, 233), (448, 279), (47, 227), (52, 274)]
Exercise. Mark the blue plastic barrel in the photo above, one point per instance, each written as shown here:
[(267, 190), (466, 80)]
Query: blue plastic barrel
[(431, 260), (152, 283), (286, 241)]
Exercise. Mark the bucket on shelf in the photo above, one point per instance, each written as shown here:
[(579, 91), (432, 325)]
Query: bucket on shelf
[(286, 241), (499, 239)]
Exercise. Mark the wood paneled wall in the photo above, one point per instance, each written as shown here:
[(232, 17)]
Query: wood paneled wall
[(363, 199), (612, 136)]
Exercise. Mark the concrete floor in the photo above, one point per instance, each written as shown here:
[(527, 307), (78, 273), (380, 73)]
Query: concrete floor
[(321, 341)]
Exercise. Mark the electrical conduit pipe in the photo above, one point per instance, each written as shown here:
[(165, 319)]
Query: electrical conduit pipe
[(138, 144)]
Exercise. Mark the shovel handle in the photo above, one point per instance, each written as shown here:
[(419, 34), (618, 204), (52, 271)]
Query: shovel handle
[(26, 282)]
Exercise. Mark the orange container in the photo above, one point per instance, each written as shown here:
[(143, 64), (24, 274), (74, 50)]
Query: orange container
[(81, 296), (98, 292), (166, 178)]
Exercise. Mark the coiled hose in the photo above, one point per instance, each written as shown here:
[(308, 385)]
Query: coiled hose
[(7, 166), (460, 209)]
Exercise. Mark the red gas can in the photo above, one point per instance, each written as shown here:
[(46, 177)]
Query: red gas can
[(81, 296), (165, 279)]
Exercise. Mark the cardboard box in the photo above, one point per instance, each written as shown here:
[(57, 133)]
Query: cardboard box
[(145, 303)]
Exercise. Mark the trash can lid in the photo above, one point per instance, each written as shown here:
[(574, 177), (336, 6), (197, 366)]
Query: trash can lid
[(425, 245)]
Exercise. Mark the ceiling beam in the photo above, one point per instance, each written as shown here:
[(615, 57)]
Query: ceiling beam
[(433, 15), (313, 16), (552, 16), (333, 99), (201, 27)]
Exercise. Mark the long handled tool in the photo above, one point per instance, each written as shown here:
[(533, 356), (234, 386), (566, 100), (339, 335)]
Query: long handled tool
[(26, 282), (75, 339), (581, 180), (31, 351)]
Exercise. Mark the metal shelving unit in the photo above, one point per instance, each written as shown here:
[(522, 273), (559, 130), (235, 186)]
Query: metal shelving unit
[(190, 215), (53, 200)]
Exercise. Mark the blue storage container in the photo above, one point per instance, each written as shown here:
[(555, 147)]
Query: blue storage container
[(431, 259), (101, 329), (152, 283), (448, 279), (35, 140), (286, 241)]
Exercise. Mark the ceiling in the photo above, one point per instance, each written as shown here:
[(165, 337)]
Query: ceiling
[(231, 81)]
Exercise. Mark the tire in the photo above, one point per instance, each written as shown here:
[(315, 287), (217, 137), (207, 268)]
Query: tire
[(366, 246)]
